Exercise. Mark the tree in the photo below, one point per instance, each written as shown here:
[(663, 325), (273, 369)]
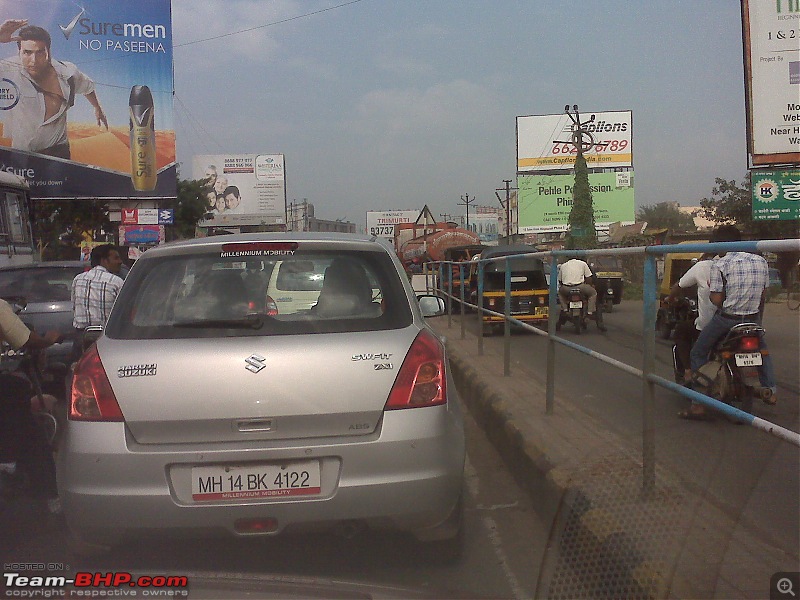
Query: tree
[(190, 207), (731, 203), (582, 233), (60, 225), (666, 215)]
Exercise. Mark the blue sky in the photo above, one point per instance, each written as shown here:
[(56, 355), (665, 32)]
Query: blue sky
[(385, 104)]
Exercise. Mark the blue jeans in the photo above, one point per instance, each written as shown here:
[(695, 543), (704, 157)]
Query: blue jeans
[(718, 327)]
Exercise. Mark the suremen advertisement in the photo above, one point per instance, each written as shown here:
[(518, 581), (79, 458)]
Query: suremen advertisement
[(86, 97), (545, 201), (242, 189)]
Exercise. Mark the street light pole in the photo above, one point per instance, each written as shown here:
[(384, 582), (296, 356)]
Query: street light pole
[(506, 205)]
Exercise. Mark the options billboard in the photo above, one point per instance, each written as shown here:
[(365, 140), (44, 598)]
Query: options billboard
[(243, 189), (105, 84), (543, 141), (772, 78), (545, 201)]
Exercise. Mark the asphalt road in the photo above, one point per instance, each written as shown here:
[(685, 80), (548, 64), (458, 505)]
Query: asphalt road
[(749, 473), (505, 545)]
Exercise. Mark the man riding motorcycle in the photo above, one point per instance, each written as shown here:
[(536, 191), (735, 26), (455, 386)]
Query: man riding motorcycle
[(576, 273)]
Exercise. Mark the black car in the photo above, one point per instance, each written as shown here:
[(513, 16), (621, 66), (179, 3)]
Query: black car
[(46, 288)]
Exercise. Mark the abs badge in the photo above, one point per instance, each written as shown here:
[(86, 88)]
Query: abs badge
[(137, 370)]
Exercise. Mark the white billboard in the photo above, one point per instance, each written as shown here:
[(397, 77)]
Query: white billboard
[(381, 223), (243, 189), (772, 74), (543, 141)]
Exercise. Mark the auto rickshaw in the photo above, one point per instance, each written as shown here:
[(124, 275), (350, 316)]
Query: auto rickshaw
[(608, 276), (675, 266), (529, 291)]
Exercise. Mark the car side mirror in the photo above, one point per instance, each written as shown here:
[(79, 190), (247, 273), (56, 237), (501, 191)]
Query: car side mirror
[(431, 306), (90, 335)]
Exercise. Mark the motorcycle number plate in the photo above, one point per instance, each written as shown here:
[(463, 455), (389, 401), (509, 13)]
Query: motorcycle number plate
[(749, 360), (576, 304)]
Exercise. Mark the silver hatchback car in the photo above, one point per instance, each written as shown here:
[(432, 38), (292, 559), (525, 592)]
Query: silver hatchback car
[(219, 400)]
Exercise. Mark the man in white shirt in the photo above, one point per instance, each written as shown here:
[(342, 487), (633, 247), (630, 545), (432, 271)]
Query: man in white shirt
[(576, 273)]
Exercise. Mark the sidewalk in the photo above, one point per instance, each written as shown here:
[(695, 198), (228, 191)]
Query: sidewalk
[(607, 540)]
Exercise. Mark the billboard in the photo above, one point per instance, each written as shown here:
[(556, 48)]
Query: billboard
[(381, 223), (772, 78), (545, 201), (776, 195), (243, 189), (86, 98), (543, 141)]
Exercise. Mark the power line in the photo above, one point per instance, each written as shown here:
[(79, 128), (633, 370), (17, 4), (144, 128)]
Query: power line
[(198, 122), (217, 37)]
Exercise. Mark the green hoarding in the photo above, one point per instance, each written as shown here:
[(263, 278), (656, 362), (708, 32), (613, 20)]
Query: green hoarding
[(546, 200), (776, 195)]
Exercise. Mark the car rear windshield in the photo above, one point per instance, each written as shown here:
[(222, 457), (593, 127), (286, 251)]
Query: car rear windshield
[(39, 284), (213, 295)]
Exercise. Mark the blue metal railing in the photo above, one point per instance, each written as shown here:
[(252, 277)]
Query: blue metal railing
[(646, 373)]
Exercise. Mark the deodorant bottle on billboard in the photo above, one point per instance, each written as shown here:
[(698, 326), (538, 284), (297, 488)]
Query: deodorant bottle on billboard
[(143, 139)]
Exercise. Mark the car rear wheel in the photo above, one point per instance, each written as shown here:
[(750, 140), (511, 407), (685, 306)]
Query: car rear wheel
[(449, 550)]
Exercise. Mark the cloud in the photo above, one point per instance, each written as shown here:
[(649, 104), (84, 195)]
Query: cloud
[(440, 108)]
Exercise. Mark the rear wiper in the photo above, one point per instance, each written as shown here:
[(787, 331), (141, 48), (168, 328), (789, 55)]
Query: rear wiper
[(250, 321)]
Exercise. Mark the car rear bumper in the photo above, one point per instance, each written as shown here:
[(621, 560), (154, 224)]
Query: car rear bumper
[(387, 479)]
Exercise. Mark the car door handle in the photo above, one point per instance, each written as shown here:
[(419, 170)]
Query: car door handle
[(254, 425)]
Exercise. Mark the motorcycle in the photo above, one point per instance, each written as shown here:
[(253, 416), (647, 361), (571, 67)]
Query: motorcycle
[(731, 374), (575, 312), (22, 372)]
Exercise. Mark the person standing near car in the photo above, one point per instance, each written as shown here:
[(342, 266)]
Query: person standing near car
[(738, 284), (94, 291), (576, 273), (21, 440)]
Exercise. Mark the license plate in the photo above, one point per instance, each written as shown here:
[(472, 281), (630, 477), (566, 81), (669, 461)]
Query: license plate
[(749, 360), (256, 481), (576, 304)]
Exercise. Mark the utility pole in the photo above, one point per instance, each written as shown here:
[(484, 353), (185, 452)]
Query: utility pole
[(446, 216), (466, 202), (507, 206)]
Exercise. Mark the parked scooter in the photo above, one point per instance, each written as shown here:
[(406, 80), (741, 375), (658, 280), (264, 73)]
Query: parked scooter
[(731, 374)]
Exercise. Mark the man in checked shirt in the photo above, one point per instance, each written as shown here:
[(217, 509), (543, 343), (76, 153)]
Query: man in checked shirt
[(94, 292)]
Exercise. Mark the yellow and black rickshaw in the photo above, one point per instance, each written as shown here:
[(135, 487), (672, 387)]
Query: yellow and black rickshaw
[(608, 275), (675, 266), (529, 291)]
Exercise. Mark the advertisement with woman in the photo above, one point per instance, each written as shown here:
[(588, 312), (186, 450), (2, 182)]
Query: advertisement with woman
[(86, 97)]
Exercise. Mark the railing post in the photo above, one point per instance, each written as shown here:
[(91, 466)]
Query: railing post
[(552, 319), (507, 323), (463, 322), (648, 366), (480, 308)]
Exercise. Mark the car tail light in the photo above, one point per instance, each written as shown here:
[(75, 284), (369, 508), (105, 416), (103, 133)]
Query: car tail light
[(421, 380), (749, 343), (272, 307), (92, 396)]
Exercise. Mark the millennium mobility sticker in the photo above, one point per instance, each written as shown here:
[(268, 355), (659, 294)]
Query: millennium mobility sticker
[(239, 249)]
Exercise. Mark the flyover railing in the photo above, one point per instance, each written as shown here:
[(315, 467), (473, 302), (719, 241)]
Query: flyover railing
[(439, 273)]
